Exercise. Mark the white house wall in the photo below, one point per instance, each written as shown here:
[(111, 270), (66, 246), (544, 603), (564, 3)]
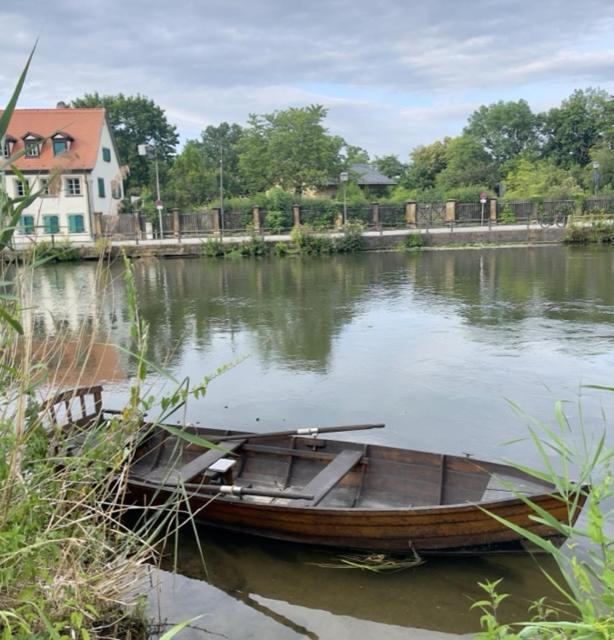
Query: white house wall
[(108, 171)]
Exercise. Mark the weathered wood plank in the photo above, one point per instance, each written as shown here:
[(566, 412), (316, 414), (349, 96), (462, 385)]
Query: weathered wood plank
[(332, 474), (200, 464)]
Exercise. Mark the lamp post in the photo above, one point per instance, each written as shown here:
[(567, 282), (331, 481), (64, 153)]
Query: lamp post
[(149, 150), (596, 176), (344, 177), (222, 188)]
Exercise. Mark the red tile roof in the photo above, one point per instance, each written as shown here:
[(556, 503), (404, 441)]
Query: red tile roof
[(83, 125)]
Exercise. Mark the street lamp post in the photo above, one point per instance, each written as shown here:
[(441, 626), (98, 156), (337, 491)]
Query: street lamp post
[(344, 177), (222, 188), (596, 176), (148, 150)]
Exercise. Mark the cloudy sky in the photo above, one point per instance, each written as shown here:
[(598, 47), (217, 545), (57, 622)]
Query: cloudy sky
[(393, 73)]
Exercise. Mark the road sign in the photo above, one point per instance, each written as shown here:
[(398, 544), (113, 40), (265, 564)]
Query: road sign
[(159, 205), (483, 197)]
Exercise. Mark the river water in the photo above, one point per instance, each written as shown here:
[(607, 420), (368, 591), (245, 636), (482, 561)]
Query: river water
[(438, 345)]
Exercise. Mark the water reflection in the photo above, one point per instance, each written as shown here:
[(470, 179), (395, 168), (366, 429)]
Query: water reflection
[(284, 584)]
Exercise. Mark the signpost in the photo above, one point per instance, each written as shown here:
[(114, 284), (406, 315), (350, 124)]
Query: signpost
[(483, 201), (344, 177), (147, 150)]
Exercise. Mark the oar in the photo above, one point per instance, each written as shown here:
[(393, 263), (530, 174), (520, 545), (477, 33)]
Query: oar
[(303, 431), (225, 489)]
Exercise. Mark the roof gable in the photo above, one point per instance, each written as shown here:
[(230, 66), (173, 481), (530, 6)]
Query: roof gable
[(82, 126)]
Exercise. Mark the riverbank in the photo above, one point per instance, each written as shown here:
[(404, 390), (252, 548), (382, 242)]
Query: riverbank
[(371, 241)]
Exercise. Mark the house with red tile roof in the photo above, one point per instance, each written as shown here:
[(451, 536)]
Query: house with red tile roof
[(70, 154)]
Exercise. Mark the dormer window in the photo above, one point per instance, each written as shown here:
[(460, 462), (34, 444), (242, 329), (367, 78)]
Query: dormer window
[(7, 146), (61, 142), (33, 143)]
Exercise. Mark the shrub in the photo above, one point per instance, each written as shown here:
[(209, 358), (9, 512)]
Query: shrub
[(307, 242), (214, 248), (277, 221), (352, 239), (255, 246), (507, 215), (413, 241), (280, 249)]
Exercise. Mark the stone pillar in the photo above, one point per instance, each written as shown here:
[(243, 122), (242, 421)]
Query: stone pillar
[(97, 224), (375, 215), (176, 222), (493, 209), (256, 218), (410, 213), (339, 220), (450, 210), (296, 215), (137, 224), (216, 211)]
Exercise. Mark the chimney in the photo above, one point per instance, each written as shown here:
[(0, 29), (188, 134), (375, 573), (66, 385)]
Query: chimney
[(61, 105)]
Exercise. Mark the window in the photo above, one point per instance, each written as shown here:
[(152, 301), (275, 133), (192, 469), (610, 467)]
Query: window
[(21, 187), (59, 146), (6, 149), (75, 223), (106, 154), (101, 193), (116, 189), (45, 186), (73, 186), (51, 224), (26, 225)]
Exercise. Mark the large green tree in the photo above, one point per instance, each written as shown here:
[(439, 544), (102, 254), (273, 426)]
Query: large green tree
[(583, 120), (136, 120), (467, 164), (540, 178), (505, 129), (426, 162), (289, 148), (390, 166)]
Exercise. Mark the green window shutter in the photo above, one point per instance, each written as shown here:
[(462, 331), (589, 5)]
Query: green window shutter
[(27, 225), (101, 192), (75, 223), (106, 154), (51, 224)]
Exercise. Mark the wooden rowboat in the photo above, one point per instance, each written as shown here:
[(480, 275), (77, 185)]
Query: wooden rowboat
[(302, 488)]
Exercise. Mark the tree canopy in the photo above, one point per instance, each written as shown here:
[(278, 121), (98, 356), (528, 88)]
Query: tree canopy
[(135, 120), (289, 148)]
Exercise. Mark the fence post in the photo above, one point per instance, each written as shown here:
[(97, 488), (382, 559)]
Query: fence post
[(97, 224), (450, 211), (410, 213), (375, 215), (176, 223), (256, 219), (493, 209), (296, 215), (339, 221), (216, 211)]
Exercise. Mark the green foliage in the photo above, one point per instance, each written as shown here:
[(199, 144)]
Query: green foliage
[(427, 162), (289, 148), (214, 248), (588, 569), (467, 163), (507, 215), (505, 129), (308, 242), (136, 120), (59, 251), (390, 166), (413, 241), (280, 249), (581, 122), (351, 239), (253, 247), (592, 230), (540, 178)]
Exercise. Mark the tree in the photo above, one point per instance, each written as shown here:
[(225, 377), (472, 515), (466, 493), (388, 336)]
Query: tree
[(581, 122), (426, 162), (390, 166), (222, 143), (355, 155), (190, 181), (136, 120), (540, 179), (505, 129), (289, 148), (467, 164)]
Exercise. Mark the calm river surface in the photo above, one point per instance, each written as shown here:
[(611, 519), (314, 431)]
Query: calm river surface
[(432, 343)]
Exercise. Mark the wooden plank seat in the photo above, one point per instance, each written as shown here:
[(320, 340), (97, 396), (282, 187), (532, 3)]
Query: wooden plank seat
[(325, 481), (200, 464)]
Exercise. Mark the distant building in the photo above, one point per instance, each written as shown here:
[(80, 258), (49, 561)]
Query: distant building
[(71, 155), (366, 176)]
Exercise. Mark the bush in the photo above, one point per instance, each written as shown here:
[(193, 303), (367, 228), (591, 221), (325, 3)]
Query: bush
[(280, 249), (277, 221), (352, 239), (413, 241), (307, 242), (60, 251), (255, 246), (214, 248), (507, 215)]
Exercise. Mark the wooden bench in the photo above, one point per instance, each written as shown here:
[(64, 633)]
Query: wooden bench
[(323, 483), (201, 463)]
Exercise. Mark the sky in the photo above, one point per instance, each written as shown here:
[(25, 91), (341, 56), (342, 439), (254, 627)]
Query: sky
[(393, 74)]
